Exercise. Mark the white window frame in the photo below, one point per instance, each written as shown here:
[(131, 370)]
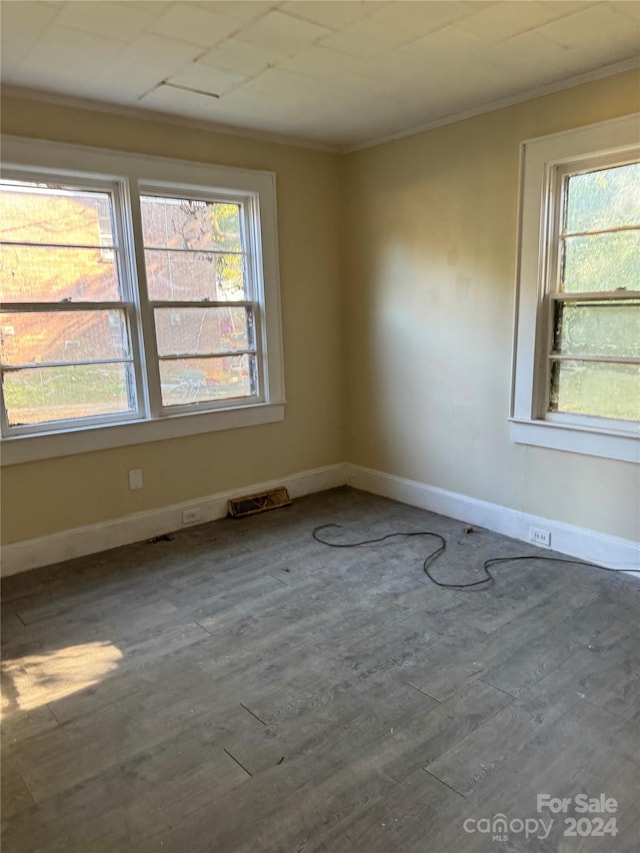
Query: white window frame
[(130, 176), (543, 162)]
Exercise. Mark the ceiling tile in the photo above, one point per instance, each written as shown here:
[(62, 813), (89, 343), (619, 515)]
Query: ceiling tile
[(179, 102), (524, 54), (286, 85), (65, 81), (396, 70), (446, 43), (22, 25), (112, 20), (282, 33), (317, 61), (596, 24), (187, 22), (567, 7), (150, 7), (508, 18), (334, 15), (419, 18), (167, 55), (199, 76), (242, 104), (241, 10), (629, 8), (240, 57), (66, 51), (365, 39), (131, 78)]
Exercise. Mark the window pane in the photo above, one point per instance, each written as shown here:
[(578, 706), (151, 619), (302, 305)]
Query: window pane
[(597, 328), (41, 394), (41, 213), (604, 199), (40, 337), (29, 274), (198, 380), (179, 223), (603, 390), (192, 276), (602, 262), (200, 331)]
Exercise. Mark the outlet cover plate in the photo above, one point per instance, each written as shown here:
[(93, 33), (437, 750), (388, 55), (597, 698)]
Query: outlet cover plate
[(540, 536), (192, 516)]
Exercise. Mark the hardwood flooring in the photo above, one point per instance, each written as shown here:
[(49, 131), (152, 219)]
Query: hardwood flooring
[(242, 688)]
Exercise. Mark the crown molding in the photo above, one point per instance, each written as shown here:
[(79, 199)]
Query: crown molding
[(501, 103), (42, 96)]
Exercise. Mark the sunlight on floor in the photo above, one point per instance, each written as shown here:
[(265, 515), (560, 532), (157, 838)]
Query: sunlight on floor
[(31, 681)]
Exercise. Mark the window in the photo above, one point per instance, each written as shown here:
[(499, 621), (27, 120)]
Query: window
[(135, 292), (195, 255), (577, 353)]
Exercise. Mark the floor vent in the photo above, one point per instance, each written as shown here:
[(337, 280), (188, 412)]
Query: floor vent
[(260, 502)]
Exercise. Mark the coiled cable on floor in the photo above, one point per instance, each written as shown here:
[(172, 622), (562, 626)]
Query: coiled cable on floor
[(442, 547)]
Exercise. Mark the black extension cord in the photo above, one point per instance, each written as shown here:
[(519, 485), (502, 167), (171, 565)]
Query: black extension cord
[(434, 555)]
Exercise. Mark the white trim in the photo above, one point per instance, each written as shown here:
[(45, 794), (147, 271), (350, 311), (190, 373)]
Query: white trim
[(147, 114), (75, 102), (591, 545), (80, 541), (575, 439), (18, 449), (578, 542), (501, 103)]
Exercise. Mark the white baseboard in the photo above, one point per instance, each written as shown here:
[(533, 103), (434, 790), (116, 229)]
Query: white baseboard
[(590, 545), (578, 542), (79, 541)]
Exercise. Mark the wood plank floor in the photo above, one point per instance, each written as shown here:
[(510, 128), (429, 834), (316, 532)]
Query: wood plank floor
[(243, 688)]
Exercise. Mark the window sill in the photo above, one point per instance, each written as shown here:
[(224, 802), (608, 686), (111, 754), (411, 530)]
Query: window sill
[(70, 442), (624, 446)]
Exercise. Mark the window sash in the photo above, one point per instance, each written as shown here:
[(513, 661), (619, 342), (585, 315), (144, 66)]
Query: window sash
[(254, 288), (555, 302), (120, 245)]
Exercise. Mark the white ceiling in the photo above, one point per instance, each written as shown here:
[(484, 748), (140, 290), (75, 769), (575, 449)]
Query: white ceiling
[(335, 72)]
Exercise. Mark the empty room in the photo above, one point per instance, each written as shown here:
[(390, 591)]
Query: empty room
[(320, 426)]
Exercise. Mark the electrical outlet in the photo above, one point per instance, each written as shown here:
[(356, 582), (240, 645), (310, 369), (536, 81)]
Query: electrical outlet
[(135, 479), (191, 516), (539, 536)]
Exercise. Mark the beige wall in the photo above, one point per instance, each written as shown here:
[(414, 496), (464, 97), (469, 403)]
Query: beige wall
[(430, 272), (420, 236), (43, 497)]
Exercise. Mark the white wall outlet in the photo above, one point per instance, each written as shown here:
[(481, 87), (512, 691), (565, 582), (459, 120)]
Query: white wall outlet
[(135, 479), (192, 516), (539, 536)]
